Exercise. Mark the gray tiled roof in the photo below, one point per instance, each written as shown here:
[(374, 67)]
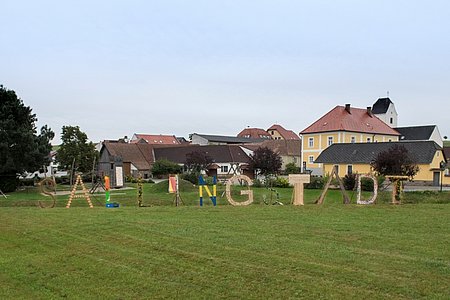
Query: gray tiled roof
[(416, 133), (364, 153), (218, 153), (229, 139)]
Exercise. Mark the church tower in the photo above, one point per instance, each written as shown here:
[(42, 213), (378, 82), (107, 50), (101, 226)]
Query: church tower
[(384, 109)]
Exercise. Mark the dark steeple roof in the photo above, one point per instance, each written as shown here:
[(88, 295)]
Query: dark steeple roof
[(381, 106), (416, 133), (364, 153)]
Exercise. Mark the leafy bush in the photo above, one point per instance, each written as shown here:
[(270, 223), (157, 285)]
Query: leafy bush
[(8, 184), (291, 168), (367, 184), (191, 177), (350, 182), (281, 182), (316, 183), (165, 167)]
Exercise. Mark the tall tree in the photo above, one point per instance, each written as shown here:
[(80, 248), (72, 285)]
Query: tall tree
[(265, 161), (75, 145), (21, 148), (395, 161)]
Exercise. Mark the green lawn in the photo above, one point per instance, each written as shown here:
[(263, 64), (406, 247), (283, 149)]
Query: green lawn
[(256, 252)]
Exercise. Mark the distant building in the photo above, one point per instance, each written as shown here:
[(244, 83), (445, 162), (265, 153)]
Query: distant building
[(278, 132), (385, 110), (120, 159), (155, 139), (254, 133), (206, 139), (289, 150), (227, 160)]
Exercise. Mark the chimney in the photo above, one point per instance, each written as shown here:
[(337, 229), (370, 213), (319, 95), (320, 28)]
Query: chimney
[(347, 108), (369, 111)]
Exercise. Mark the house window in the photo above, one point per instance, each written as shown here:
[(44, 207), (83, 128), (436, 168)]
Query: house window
[(311, 142), (224, 169), (330, 140), (353, 140), (392, 120), (369, 140), (112, 166), (349, 169), (311, 159)]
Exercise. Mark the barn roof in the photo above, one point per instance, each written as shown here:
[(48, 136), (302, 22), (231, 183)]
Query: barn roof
[(422, 152)]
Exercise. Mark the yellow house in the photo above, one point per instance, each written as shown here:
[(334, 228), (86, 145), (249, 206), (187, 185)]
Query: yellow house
[(356, 158), (343, 124), (278, 132)]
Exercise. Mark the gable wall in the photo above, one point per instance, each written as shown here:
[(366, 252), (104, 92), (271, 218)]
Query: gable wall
[(436, 136)]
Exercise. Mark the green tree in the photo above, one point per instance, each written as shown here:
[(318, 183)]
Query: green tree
[(75, 145), (165, 167), (21, 148), (264, 161)]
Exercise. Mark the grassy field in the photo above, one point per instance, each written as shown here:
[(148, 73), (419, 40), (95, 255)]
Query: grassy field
[(256, 252)]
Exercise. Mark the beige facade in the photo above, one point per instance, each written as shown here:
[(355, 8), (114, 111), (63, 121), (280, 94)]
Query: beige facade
[(275, 134)]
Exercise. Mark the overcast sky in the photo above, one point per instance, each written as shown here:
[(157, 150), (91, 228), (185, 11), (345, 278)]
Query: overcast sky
[(115, 68)]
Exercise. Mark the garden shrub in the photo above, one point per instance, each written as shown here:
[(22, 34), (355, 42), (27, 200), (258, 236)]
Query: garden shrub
[(317, 183), (8, 184), (191, 177), (281, 182), (291, 168), (350, 182)]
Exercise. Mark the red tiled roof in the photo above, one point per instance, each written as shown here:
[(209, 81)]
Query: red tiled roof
[(286, 134), (156, 139), (358, 120), (254, 133)]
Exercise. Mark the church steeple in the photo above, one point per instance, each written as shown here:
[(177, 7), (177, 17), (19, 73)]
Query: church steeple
[(384, 109)]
